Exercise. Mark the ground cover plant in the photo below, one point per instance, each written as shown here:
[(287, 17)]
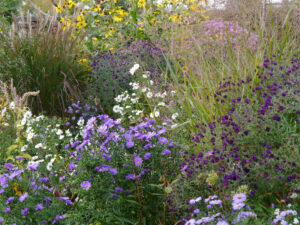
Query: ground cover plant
[(149, 112)]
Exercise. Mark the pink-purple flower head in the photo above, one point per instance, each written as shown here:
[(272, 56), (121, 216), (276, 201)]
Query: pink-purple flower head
[(237, 206), (86, 185), (194, 200), (238, 198), (23, 197)]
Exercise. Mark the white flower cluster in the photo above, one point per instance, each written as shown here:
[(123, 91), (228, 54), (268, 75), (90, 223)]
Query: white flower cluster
[(131, 106)]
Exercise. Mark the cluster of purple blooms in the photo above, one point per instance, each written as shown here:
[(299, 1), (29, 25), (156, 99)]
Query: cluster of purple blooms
[(107, 133), (246, 144), (21, 204), (217, 217)]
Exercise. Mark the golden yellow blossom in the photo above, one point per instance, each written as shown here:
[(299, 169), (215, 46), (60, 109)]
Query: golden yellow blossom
[(59, 9), (141, 3)]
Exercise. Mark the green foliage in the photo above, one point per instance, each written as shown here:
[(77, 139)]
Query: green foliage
[(9, 7)]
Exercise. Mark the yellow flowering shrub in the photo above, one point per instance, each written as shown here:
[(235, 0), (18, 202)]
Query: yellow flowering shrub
[(109, 22)]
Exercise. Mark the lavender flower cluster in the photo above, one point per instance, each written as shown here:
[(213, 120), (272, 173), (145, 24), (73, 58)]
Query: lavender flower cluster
[(213, 214)]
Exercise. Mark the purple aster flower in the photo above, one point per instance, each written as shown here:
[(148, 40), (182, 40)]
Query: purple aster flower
[(113, 171), (1, 220), (147, 156), (223, 222), (129, 144), (276, 118), (113, 196), (205, 220), (138, 161), (85, 185), (238, 198), (215, 202), (71, 166), (24, 211), (47, 199), (7, 210), (196, 211), (9, 200), (119, 190), (8, 165), (23, 197), (194, 200), (191, 222), (43, 179), (39, 207), (33, 166), (165, 152), (130, 177), (62, 178), (237, 206)]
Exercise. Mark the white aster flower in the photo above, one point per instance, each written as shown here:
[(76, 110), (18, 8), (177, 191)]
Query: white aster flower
[(161, 104), (39, 145), (24, 147), (174, 116), (12, 105), (80, 122), (149, 94), (134, 69), (27, 114)]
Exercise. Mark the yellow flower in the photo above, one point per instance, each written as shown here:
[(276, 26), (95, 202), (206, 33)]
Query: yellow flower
[(83, 62), (159, 5), (81, 24), (117, 19), (141, 3), (175, 18), (80, 18), (71, 4), (59, 9)]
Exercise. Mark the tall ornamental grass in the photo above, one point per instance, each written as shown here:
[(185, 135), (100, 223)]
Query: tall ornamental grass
[(198, 68), (42, 57)]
